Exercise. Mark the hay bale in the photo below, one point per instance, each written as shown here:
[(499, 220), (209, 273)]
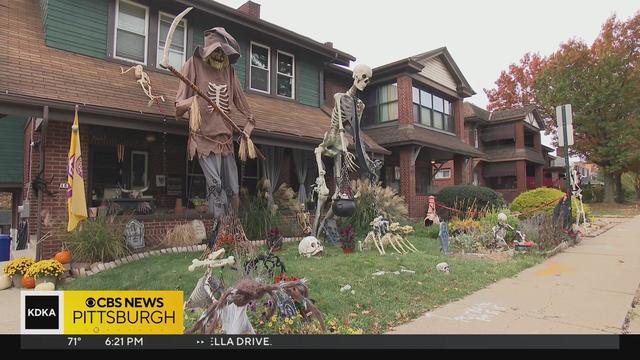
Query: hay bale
[(181, 235)]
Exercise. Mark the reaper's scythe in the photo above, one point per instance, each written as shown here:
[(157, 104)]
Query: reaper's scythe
[(246, 145)]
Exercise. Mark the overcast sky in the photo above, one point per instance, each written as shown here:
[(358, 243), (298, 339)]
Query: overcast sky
[(483, 36)]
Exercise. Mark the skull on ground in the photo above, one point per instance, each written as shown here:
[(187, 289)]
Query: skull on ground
[(310, 246)]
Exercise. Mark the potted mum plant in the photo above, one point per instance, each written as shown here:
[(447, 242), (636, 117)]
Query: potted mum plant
[(348, 239), (17, 268), (45, 271)]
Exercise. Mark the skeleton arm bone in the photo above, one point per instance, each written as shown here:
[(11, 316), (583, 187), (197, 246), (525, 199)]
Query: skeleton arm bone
[(211, 263)]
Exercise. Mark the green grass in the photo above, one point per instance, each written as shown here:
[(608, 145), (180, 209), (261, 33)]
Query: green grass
[(379, 301)]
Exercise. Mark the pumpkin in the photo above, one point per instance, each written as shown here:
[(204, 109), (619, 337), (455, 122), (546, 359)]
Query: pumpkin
[(28, 282), (63, 257), (46, 286), (5, 282)]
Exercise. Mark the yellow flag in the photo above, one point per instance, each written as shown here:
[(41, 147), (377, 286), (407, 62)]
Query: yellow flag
[(76, 202)]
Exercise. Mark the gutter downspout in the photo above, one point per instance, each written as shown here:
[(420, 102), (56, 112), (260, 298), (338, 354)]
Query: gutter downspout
[(43, 136)]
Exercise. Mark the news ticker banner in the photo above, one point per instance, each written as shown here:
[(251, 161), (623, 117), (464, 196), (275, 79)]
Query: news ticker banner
[(101, 312), (368, 342)]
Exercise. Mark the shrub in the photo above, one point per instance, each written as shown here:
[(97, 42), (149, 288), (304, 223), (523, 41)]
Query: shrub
[(99, 240), (490, 219), (373, 201), (593, 193), (431, 231), (257, 218), (471, 242), (532, 202), (466, 226), (542, 230), (466, 197)]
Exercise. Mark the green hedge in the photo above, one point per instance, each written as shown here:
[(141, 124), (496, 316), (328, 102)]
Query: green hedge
[(463, 197), (534, 199)]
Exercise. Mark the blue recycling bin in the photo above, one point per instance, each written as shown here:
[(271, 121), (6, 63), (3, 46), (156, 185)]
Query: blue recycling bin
[(5, 247)]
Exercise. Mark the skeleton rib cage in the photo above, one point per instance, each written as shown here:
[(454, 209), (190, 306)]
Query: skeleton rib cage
[(219, 94)]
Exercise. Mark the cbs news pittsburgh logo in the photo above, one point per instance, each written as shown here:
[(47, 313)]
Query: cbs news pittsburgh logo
[(102, 312)]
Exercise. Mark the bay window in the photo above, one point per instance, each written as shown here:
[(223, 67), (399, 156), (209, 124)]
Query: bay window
[(384, 104), (432, 111)]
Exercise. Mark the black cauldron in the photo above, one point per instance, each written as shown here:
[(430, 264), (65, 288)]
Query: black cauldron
[(344, 207)]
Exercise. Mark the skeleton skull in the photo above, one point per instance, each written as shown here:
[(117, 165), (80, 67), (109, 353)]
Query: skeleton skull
[(361, 76), (443, 266), (310, 246), (502, 218), (218, 59)]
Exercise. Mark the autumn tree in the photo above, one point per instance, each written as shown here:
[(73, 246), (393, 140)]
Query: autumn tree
[(515, 87), (602, 82)]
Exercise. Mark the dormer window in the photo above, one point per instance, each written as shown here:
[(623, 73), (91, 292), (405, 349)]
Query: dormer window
[(132, 22), (286, 77), (259, 77)]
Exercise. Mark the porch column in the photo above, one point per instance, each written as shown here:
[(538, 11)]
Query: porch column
[(519, 135), (521, 175), (459, 119), (458, 169), (537, 144), (405, 100), (539, 176), (408, 178)]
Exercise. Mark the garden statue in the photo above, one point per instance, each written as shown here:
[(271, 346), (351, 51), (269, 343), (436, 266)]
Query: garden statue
[(347, 113), (443, 234)]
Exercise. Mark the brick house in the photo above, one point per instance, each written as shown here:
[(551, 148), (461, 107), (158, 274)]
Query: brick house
[(57, 54), (514, 159), (415, 110)]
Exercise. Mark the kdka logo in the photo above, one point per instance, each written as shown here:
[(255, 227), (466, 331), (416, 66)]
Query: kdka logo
[(42, 312)]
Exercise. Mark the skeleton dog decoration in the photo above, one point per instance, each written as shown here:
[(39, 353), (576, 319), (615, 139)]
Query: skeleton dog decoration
[(347, 113), (143, 79)]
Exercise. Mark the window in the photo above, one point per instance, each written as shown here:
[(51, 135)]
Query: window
[(502, 182), (443, 174), (139, 169), (177, 51), (131, 32), (384, 104), (260, 64), (432, 111), (286, 75)]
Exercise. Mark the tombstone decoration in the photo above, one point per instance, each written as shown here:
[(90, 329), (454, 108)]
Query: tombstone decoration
[(134, 234), (332, 235), (199, 230), (443, 234)]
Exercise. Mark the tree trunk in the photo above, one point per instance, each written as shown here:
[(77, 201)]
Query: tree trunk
[(619, 188), (609, 182)]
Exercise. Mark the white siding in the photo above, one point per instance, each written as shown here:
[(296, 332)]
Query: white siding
[(532, 120), (435, 70)]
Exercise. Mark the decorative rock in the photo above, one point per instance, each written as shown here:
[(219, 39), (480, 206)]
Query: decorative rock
[(136, 257), (102, 267), (75, 272), (118, 262), (89, 273), (82, 272), (164, 251)]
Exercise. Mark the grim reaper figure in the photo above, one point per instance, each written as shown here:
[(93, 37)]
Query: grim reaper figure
[(346, 115), (210, 137)]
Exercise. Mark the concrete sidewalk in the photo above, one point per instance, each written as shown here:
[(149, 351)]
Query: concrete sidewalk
[(588, 289)]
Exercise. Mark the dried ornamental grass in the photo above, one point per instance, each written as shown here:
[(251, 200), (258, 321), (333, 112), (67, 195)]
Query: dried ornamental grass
[(180, 235)]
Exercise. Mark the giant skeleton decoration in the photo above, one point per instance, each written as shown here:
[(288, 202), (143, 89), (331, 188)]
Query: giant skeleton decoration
[(347, 113), (576, 181), (210, 128)]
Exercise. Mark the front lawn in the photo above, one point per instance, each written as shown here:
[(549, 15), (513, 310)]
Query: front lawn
[(379, 302)]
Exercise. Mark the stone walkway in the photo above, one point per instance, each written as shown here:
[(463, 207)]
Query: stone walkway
[(587, 289)]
